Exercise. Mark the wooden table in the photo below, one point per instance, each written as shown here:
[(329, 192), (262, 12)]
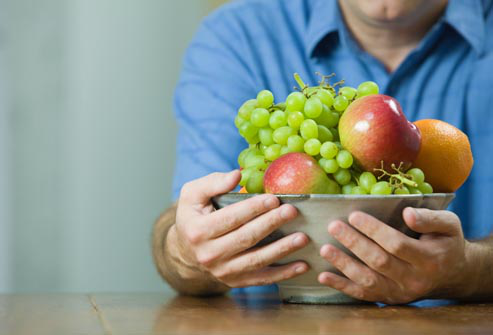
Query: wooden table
[(158, 313)]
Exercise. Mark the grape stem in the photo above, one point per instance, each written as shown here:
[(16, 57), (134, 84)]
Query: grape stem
[(300, 82), (396, 180)]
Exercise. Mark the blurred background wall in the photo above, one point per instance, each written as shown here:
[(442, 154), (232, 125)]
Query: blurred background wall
[(87, 138)]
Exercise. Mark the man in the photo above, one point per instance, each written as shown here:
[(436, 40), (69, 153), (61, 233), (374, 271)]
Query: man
[(433, 56)]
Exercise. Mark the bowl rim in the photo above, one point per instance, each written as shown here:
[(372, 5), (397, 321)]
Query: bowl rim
[(344, 196)]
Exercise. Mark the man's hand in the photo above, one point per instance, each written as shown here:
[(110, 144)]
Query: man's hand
[(218, 244), (394, 268)]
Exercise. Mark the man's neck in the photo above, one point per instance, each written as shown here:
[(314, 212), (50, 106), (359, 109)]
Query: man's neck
[(390, 43)]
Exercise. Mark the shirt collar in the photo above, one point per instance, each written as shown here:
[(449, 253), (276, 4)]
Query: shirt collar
[(324, 19), (468, 19), (465, 16)]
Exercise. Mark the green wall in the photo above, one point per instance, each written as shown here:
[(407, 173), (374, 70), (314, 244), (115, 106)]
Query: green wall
[(92, 138)]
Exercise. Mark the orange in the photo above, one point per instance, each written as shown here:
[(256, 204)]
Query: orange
[(445, 155), (243, 190)]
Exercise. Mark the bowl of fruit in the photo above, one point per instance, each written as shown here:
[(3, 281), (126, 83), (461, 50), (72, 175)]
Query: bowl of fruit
[(330, 151)]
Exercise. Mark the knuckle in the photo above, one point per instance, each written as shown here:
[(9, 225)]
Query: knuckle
[(246, 240), (222, 274), (186, 190), (255, 262), (226, 219), (369, 281), (206, 258), (381, 262), (396, 247), (193, 236), (359, 294), (418, 288)]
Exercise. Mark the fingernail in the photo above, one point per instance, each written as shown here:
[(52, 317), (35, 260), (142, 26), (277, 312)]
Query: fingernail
[(286, 212), (335, 229), (270, 202), (299, 269), (299, 241)]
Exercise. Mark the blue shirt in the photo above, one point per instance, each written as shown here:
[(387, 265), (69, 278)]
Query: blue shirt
[(251, 45)]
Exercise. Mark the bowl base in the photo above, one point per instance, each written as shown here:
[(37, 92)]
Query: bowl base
[(315, 296)]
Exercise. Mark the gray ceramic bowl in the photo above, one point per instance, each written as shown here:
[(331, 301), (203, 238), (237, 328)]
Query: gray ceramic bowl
[(315, 212)]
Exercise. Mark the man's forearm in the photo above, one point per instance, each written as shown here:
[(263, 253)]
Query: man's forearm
[(183, 278), (480, 256)]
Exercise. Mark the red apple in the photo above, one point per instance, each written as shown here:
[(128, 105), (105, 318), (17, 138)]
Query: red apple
[(298, 173), (374, 129)]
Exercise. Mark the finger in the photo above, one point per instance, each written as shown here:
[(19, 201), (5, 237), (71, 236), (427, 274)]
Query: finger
[(390, 239), (249, 234), (270, 275), (200, 191), (342, 284), (426, 221), (352, 268), (231, 217), (264, 256), (368, 251)]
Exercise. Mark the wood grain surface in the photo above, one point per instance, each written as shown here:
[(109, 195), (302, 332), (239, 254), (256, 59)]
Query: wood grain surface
[(158, 313)]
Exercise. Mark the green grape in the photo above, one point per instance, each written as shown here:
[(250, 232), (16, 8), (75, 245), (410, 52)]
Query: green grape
[(325, 97), (239, 121), (414, 190), (241, 157), (313, 107), (328, 118), (281, 135), (329, 150), (417, 175), (295, 101), (335, 133), (262, 148), (324, 134), (255, 160), (265, 99), (348, 91), (344, 159), (381, 188), (295, 119), (425, 188), (296, 143), (367, 88), (342, 176), (265, 136), (309, 129), (330, 165), (253, 140), (312, 147), (277, 119), (260, 117), (358, 190), (273, 152), (247, 129), (245, 174), (247, 108), (367, 180), (340, 103), (255, 183), (348, 188), (401, 190), (284, 150)]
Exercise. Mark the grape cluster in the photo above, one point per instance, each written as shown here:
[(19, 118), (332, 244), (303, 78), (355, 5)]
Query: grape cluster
[(307, 122)]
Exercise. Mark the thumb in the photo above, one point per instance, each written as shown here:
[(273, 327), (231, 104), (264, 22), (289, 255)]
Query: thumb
[(426, 221), (200, 191)]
